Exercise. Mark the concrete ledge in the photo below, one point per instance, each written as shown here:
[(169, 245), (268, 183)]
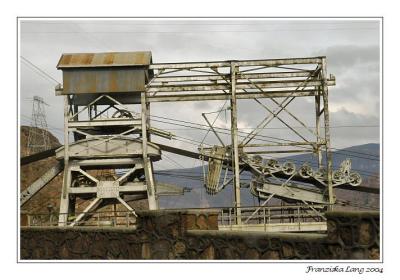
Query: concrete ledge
[(257, 234), (279, 227)]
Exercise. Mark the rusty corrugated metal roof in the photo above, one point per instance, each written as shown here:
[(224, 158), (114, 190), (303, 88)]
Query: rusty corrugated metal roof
[(112, 59)]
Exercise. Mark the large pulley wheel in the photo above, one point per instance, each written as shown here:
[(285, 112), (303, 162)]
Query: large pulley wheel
[(273, 163), (305, 171), (122, 114), (355, 179), (81, 181), (289, 168), (338, 177)]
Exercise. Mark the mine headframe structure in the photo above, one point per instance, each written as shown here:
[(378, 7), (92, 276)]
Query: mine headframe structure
[(279, 80), (106, 112), (101, 91)]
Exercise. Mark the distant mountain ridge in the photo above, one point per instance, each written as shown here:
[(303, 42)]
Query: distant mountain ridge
[(365, 159)]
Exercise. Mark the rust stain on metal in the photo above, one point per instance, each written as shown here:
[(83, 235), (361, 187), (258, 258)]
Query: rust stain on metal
[(104, 72), (115, 59), (108, 58), (65, 59), (113, 82), (87, 59)]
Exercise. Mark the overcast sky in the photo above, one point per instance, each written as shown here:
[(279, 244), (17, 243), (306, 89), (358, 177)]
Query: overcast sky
[(352, 49)]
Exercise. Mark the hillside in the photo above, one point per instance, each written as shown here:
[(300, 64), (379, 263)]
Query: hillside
[(49, 195), (193, 178)]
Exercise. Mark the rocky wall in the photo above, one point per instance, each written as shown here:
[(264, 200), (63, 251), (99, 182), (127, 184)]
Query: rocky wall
[(194, 235)]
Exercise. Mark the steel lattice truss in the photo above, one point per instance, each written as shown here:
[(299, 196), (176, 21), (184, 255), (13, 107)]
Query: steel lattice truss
[(281, 81)]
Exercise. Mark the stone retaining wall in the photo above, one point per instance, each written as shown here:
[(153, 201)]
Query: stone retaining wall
[(194, 235)]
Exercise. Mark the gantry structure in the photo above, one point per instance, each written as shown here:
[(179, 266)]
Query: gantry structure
[(107, 98), (279, 80)]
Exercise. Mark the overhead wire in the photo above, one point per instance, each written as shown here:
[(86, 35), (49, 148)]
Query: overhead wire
[(197, 31), (242, 132), (39, 69), (37, 72), (198, 23)]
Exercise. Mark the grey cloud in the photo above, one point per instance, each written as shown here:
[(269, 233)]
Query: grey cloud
[(344, 56), (352, 52)]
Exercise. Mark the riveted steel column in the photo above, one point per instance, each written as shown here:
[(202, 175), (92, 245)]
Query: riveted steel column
[(317, 124), (235, 149), (327, 133), (64, 201), (66, 130), (148, 170)]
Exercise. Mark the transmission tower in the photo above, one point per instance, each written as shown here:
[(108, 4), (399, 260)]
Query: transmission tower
[(38, 138)]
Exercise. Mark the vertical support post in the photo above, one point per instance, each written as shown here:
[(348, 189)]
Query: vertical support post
[(148, 170), (127, 219), (95, 110), (151, 168), (230, 217), (317, 123), (75, 110), (64, 201), (264, 218), (298, 217), (327, 134), (235, 148), (115, 214), (66, 130)]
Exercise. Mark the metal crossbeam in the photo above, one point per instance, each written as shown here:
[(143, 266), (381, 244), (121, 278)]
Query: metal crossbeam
[(40, 183), (223, 96), (262, 62)]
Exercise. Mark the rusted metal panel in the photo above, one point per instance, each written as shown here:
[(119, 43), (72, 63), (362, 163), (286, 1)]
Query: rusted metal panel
[(91, 73), (112, 59), (97, 80)]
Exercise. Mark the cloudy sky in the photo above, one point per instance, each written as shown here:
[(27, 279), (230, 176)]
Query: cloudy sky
[(352, 48)]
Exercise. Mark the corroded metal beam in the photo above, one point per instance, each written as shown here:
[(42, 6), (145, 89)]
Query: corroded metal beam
[(239, 85), (39, 156), (264, 62), (40, 183), (223, 96), (192, 78)]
